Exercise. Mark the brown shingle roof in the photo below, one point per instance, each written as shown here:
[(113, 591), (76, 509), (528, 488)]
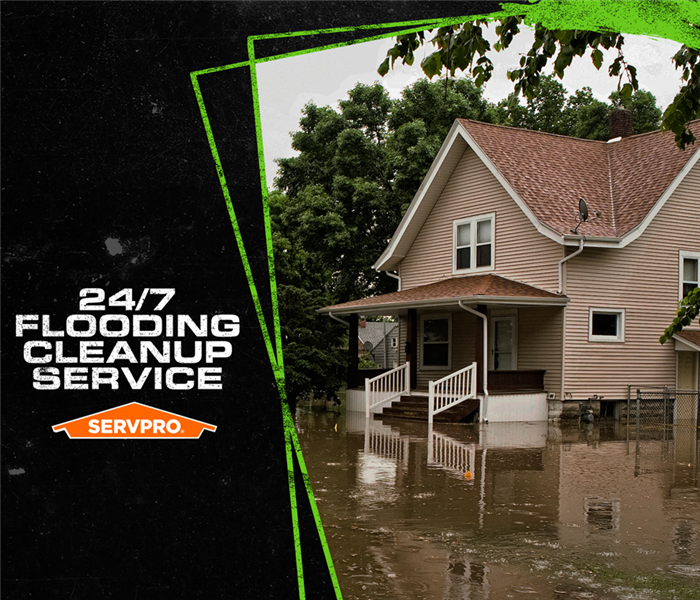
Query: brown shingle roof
[(623, 180), (453, 289)]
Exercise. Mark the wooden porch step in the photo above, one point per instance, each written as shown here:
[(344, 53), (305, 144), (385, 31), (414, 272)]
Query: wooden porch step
[(416, 408)]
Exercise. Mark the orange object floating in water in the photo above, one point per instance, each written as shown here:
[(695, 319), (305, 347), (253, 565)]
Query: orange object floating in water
[(468, 475)]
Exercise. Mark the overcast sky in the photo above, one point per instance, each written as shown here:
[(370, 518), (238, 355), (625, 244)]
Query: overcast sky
[(286, 85)]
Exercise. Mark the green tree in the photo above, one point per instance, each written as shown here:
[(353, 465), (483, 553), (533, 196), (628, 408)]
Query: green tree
[(541, 112), (579, 115), (587, 117), (646, 116)]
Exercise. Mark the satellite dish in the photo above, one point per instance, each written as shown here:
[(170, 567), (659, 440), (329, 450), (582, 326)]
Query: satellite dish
[(583, 210), (582, 215)]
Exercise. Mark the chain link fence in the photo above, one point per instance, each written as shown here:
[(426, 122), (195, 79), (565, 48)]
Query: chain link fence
[(651, 409), (664, 424)]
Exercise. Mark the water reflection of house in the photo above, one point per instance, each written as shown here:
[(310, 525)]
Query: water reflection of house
[(403, 520), (640, 503), (426, 506), (495, 268)]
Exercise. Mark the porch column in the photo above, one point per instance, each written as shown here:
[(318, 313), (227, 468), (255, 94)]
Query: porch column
[(479, 348), (412, 345), (353, 358)]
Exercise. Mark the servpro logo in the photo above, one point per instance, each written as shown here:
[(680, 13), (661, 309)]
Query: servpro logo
[(134, 421)]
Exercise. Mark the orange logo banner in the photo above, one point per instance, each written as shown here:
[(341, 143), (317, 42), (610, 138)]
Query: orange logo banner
[(134, 421)]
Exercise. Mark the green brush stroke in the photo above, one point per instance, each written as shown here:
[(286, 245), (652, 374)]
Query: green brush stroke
[(229, 207), (288, 446), (266, 209), (314, 509), (670, 19)]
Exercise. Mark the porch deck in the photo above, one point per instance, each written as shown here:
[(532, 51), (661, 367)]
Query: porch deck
[(499, 382), (513, 396)]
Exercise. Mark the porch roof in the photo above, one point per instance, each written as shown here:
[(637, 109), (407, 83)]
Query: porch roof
[(689, 337), (474, 289)]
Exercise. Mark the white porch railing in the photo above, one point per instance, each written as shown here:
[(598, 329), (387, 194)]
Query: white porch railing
[(387, 387), (451, 390), (381, 440), (451, 454)]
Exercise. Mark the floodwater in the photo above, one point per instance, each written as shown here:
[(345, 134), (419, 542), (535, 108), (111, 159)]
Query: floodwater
[(505, 510)]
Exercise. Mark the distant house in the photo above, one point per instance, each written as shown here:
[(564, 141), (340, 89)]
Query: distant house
[(496, 266), (379, 341)]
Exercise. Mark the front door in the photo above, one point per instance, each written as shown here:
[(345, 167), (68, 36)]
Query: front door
[(503, 343)]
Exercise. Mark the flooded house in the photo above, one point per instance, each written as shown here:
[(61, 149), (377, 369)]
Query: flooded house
[(536, 272)]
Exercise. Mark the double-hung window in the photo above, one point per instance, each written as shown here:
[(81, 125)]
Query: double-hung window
[(689, 272), (473, 248)]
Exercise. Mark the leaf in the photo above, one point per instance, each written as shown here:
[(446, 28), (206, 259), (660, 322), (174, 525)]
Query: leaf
[(597, 58), (626, 91), (384, 67), (432, 65)]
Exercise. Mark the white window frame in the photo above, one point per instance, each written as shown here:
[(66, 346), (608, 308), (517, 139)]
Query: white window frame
[(435, 317), (682, 255), (472, 221), (620, 337)]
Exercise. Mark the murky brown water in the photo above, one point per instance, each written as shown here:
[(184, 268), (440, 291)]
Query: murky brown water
[(548, 511)]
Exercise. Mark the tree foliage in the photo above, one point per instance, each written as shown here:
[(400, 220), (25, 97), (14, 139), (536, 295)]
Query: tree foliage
[(462, 47), (688, 311), (579, 115)]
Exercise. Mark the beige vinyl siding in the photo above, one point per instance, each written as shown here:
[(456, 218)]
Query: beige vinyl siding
[(540, 344), (642, 279), (521, 252)]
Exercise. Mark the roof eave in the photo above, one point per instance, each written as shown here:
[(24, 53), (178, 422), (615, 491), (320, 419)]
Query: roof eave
[(593, 241), (446, 302)]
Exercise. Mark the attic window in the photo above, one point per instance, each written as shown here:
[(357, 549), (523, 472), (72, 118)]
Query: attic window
[(689, 272), (473, 244)]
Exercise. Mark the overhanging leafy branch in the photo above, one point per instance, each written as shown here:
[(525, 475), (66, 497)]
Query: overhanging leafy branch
[(463, 47)]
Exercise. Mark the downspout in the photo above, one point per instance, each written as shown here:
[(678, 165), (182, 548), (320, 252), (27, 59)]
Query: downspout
[(332, 316), (561, 265), (563, 325), (395, 276), (484, 406)]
